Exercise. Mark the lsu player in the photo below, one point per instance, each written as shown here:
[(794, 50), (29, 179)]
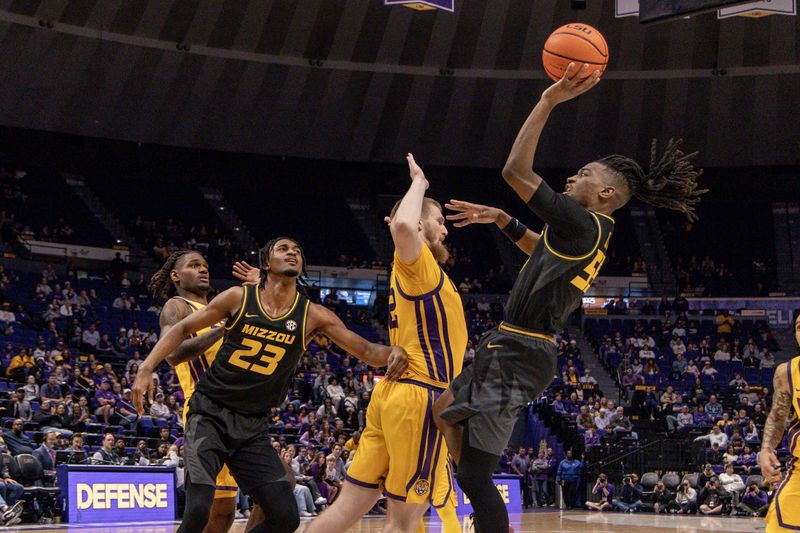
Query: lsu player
[(401, 451), (784, 510), (186, 273)]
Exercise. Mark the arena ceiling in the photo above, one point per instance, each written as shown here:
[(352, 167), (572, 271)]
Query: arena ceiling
[(354, 80)]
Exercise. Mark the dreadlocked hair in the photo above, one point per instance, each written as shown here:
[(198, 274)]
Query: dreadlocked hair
[(263, 258), (671, 181), (160, 284)]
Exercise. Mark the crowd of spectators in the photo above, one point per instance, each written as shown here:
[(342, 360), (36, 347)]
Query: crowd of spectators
[(709, 492)]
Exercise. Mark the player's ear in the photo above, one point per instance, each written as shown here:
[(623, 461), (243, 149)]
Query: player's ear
[(174, 276), (607, 192)]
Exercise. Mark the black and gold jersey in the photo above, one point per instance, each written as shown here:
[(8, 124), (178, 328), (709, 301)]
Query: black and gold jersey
[(551, 284), (257, 360)]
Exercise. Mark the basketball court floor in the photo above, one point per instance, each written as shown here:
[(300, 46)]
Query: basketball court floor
[(533, 522)]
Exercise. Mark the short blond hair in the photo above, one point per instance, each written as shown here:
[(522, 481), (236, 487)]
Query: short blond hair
[(428, 204)]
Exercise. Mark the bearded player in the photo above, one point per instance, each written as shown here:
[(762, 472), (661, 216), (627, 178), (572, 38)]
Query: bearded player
[(401, 451), (515, 362)]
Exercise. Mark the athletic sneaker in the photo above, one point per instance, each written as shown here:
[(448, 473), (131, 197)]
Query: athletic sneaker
[(13, 515), (321, 501), (305, 514)]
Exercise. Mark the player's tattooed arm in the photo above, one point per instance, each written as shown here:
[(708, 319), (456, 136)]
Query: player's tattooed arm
[(191, 348), (325, 321), (775, 425), (220, 308)]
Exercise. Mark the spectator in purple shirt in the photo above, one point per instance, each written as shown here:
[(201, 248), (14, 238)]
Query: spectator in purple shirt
[(105, 401), (754, 501), (290, 418), (701, 418), (99, 375), (591, 438), (558, 404), (51, 390)]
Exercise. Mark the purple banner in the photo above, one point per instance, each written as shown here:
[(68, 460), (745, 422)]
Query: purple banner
[(508, 487), (109, 494), (447, 5)]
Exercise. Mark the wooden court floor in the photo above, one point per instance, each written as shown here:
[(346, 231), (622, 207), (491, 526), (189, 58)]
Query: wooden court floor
[(538, 522)]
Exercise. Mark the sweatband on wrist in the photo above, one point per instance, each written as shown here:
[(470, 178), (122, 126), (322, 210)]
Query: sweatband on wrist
[(514, 230)]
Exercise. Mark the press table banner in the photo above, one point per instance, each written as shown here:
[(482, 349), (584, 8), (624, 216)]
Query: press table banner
[(97, 494)]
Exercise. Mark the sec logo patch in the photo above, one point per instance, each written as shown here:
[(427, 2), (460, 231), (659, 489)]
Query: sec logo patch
[(291, 325)]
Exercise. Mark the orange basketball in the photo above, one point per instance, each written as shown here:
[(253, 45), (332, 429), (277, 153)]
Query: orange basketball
[(578, 43)]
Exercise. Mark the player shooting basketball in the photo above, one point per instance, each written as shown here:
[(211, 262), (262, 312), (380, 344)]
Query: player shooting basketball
[(516, 361)]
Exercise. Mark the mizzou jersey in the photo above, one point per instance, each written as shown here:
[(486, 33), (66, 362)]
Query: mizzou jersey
[(426, 318), (189, 373), (551, 284), (255, 364)]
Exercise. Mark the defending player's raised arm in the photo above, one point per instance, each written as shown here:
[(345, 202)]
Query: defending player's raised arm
[(325, 321), (404, 224), (775, 425), (467, 213), (518, 170), (222, 307)]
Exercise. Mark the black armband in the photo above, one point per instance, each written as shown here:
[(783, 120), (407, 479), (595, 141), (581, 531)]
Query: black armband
[(515, 230)]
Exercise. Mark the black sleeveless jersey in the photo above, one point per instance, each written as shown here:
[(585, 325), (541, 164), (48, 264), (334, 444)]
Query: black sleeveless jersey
[(258, 357), (550, 285)]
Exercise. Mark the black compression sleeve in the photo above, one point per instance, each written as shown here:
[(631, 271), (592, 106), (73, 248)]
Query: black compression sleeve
[(573, 229)]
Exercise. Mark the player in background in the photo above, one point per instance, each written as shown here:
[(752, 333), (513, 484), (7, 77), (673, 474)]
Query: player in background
[(184, 282), (267, 328)]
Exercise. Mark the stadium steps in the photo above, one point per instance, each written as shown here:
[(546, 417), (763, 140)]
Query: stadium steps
[(606, 383), (651, 242), (109, 221), (371, 221), (227, 214), (786, 221)]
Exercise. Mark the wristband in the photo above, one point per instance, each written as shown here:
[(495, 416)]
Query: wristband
[(514, 230)]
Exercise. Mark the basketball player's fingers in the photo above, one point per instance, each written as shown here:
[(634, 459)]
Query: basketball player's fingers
[(463, 223), (568, 72), (458, 216)]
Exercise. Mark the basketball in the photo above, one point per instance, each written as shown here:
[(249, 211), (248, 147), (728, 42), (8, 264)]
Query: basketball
[(578, 43)]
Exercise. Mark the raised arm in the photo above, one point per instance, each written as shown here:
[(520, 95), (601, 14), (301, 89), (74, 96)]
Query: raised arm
[(775, 425), (468, 213), (405, 222), (518, 170), (323, 320), (220, 308)]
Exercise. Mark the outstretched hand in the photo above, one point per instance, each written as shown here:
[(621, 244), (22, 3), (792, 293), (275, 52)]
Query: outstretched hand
[(247, 274), (571, 84), (468, 213), (415, 171)]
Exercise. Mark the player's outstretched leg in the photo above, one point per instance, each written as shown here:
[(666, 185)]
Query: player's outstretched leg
[(277, 501), (474, 476), (403, 517), (353, 503)]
